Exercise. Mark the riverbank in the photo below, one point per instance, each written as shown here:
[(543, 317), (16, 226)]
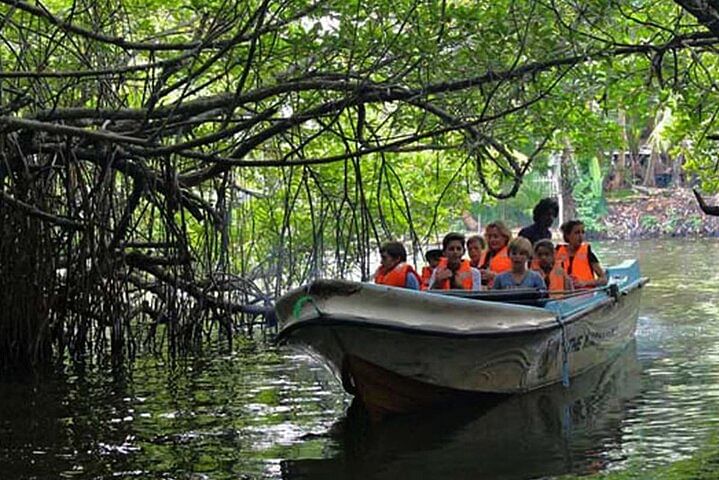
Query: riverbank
[(657, 212)]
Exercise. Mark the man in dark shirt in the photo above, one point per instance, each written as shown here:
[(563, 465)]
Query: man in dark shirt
[(544, 214)]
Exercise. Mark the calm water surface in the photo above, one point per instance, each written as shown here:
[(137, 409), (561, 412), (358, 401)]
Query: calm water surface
[(263, 413)]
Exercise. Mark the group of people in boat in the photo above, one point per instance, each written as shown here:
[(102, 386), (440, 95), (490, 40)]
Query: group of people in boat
[(498, 261)]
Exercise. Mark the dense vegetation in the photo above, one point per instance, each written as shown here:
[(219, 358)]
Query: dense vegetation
[(169, 167)]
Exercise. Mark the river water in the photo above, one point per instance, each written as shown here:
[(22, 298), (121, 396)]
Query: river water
[(260, 412)]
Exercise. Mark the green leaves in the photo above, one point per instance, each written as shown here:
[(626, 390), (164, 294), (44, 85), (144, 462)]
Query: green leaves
[(353, 122), (589, 195)]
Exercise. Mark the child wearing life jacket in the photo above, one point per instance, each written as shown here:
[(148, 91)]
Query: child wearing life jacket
[(577, 257), (552, 272), (432, 256), (520, 251), (393, 269), (475, 247), (454, 272)]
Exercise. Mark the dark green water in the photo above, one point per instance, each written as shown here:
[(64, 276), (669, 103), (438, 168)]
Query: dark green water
[(260, 413)]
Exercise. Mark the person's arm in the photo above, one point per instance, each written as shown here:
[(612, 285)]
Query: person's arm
[(488, 276), (568, 283), (601, 279), (457, 279), (440, 274), (538, 281), (476, 279), (709, 210), (432, 279), (411, 282)]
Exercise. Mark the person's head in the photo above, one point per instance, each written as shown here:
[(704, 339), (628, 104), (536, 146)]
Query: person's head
[(433, 256), (544, 253), (520, 251), (475, 245), (497, 235), (545, 212), (391, 254), (573, 232), (453, 247)]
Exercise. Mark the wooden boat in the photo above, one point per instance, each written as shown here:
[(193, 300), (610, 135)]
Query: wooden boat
[(400, 350)]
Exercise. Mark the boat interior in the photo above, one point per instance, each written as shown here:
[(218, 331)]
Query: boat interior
[(620, 276), (528, 296)]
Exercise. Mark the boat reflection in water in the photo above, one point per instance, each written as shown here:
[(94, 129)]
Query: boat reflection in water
[(546, 432)]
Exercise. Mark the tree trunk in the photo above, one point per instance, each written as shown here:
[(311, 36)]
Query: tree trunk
[(470, 223), (677, 178), (620, 167), (27, 279), (568, 207), (650, 171)]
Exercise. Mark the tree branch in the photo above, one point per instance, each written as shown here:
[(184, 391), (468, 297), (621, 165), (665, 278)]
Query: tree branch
[(708, 210)]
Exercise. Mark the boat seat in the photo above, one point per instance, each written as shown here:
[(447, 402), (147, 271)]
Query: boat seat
[(523, 296)]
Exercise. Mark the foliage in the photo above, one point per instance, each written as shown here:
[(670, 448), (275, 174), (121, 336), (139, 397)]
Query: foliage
[(649, 222), (694, 222), (623, 194), (701, 466), (588, 193), (194, 159), (516, 210)]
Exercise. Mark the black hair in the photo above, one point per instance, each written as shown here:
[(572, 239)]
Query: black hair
[(394, 250), (543, 243), (434, 254), (451, 237), (568, 226), (545, 205)]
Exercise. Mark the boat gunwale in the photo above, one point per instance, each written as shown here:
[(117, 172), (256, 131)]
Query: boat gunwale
[(330, 320)]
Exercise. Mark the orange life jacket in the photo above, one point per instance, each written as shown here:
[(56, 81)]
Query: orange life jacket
[(500, 262), (578, 265), (554, 279), (464, 270), (397, 277), (426, 275)]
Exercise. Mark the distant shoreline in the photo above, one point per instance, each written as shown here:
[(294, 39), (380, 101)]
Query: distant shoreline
[(656, 213)]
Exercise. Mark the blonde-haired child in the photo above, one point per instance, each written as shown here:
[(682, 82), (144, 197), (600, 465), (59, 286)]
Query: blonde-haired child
[(520, 251)]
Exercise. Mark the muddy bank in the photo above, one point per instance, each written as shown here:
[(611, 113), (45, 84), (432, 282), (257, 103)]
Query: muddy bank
[(658, 212)]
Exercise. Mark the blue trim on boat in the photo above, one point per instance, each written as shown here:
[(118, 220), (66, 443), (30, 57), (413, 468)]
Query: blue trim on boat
[(625, 276)]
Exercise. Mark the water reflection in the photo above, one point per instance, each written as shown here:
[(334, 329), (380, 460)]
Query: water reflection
[(49, 425), (547, 432), (216, 417), (260, 413)]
